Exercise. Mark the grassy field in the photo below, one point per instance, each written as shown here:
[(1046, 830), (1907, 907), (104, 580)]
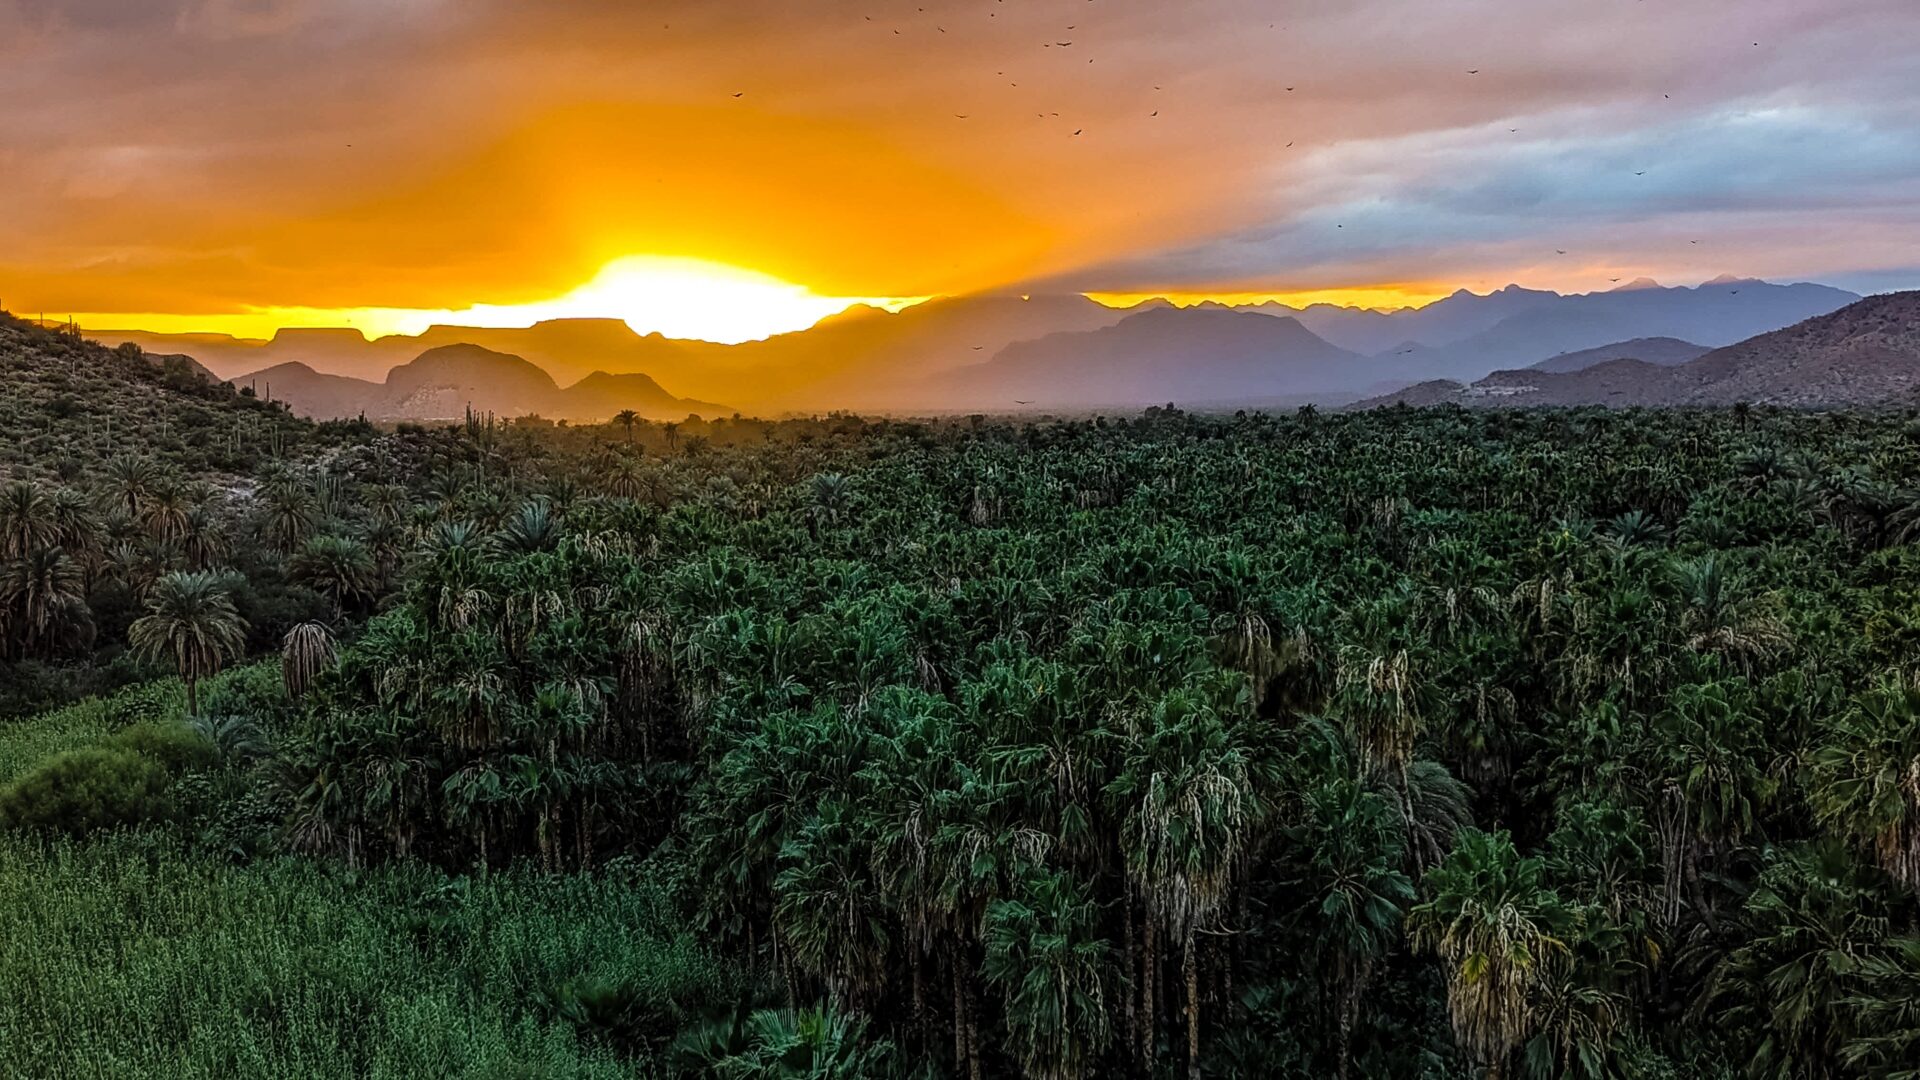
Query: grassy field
[(138, 953)]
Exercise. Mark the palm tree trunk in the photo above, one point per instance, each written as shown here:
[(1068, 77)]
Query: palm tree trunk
[(973, 1031), (1695, 889), (959, 1018), (916, 961), (1190, 967), (193, 695), (1344, 1004), (1149, 974), (1132, 1029)]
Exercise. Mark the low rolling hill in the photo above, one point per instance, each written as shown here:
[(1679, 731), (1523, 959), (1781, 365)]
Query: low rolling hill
[(443, 383)]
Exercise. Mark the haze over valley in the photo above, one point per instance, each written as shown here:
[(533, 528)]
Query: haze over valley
[(994, 353)]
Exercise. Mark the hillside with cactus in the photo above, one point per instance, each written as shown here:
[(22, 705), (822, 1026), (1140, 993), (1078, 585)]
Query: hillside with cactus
[(72, 405)]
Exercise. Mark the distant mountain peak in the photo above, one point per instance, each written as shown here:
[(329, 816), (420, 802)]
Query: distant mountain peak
[(1639, 284), (1732, 279), (288, 335)]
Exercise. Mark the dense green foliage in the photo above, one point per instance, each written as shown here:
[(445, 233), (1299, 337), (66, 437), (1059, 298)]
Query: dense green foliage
[(1402, 743)]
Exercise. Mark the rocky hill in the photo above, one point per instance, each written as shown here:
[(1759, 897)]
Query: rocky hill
[(68, 406), (1663, 351)]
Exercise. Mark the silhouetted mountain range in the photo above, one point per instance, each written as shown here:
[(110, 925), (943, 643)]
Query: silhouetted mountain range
[(442, 383), (1710, 315), (1867, 353), (1515, 325), (991, 351), (1194, 357)]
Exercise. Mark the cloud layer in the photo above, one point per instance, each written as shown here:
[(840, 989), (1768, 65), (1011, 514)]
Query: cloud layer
[(207, 155)]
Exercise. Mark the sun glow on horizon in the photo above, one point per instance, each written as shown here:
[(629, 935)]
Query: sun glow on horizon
[(679, 297)]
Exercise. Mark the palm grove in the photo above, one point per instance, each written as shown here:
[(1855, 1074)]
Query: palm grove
[(1401, 743)]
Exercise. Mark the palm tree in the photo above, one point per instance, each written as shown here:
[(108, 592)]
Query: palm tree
[(829, 493), (534, 527), (1713, 759), (202, 538), (1191, 798), (627, 418), (1811, 922), (1045, 952), (1717, 618), (1866, 779), (42, 592), (26, 519), (74, 526), (1353, 840), (290, 515), (337, 567), (1495, 924), (166, 517), (1886, 1008), (190, 620), (1636, 528), (305, 652), (811, 1044), (130, 479)]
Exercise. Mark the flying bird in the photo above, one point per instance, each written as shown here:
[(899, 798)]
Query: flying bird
[(1475, 71), (1017, 401)]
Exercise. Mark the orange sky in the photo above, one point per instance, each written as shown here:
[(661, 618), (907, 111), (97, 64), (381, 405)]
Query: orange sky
[(233, 163)]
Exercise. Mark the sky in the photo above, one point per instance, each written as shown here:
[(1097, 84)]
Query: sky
[(730, 168)]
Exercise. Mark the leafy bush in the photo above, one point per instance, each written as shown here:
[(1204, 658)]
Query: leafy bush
[(172, 744), (88, 789)]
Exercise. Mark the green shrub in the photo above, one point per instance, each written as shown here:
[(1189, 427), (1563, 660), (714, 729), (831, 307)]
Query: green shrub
[(88, 789), (171, 743)]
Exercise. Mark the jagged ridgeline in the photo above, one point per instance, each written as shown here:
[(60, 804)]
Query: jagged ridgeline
[(70, 405)]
